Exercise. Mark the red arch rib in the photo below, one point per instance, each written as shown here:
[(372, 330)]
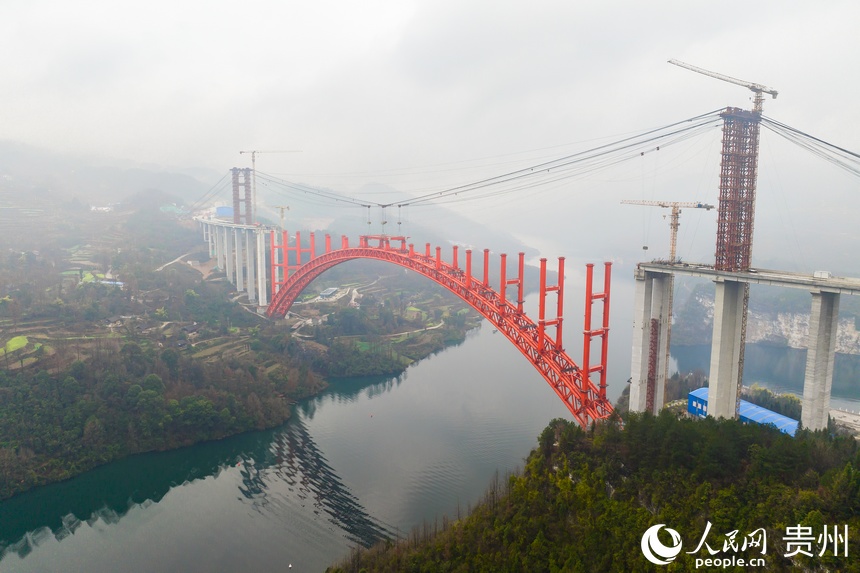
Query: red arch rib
[(577, 391)]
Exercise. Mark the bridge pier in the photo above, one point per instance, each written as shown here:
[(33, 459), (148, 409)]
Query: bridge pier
[(220, 247), (249, 258), (650, 352), (820, 357), (240, 260), (724, 379), (228, 255), (725, 368), (239, 251), (262, 296)]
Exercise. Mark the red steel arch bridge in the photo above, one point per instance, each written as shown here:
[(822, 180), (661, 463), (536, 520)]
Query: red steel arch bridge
[(539, 341)]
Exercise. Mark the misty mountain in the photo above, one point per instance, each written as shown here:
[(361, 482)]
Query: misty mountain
[(50, 175)]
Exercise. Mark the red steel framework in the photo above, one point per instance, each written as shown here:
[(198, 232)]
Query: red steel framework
[(242, 196), (586, 401), (736, 212), (651, 386)]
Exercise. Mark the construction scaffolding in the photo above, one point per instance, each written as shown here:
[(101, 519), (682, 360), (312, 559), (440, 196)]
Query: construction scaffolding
[(242, 196), (736, 209)]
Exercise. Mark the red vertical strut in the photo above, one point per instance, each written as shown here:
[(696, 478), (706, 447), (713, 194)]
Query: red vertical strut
[(560, 311), (486, 267), (517, 281), (272, 270), (586, 325), (542, 306), (278, 263), (468, 268), (603, 332), (456, 264), (504, 282), (604, 350), (559, 290), (520, 289)]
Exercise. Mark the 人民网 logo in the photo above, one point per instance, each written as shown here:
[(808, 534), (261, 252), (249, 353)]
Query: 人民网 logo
[(655, 551)]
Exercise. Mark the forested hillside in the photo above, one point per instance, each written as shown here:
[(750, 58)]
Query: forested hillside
[(585, 499), (112, 344)]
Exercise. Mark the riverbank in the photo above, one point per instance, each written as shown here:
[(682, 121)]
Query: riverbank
[(368, 453), (90, 416)]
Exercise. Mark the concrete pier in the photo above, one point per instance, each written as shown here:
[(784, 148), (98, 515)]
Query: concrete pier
[(651, 316), (819, 360), (724, 376), (240, 251), (262, 294)]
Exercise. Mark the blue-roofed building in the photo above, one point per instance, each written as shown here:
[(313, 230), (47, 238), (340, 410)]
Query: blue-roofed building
[(329, 292), (697, 405)]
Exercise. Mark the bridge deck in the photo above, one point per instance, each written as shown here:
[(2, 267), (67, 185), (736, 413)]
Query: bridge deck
[(839, 285)]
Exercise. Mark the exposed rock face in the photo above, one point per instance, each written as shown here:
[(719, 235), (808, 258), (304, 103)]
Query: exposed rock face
[(694, 319), (792, 329)]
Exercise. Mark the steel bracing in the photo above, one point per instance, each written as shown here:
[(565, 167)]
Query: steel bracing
[(736, 210), (242, 208), (586, 401)]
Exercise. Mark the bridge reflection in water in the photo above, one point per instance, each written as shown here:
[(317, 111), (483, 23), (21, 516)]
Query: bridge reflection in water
[(108, 493)]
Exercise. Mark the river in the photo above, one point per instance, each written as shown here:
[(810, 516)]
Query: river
[(780, 369), (367, 459)]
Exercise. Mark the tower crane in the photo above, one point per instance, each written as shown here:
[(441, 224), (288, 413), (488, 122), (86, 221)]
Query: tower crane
[(282, 208), (674, 221), (254, 177), (757, 89)]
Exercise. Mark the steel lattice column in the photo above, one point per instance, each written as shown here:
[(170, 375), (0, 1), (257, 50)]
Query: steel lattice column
[(736, 212)]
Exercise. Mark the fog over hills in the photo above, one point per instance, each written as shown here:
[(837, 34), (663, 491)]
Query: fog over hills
[(92, 180)]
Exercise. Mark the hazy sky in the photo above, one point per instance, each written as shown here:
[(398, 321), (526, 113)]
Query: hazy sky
[(412, 93)]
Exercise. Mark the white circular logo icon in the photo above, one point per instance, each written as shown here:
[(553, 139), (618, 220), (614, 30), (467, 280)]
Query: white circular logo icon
[(655, 551)]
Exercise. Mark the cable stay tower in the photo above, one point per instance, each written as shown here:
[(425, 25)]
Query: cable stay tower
[(736, 211), (253, 211)]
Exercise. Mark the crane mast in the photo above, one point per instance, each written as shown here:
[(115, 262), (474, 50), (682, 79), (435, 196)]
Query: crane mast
[(282, 208), (674, 223)]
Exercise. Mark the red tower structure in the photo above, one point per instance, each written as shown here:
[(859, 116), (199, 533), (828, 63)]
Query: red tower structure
[(242, 196), (738, 170), (736, 208)]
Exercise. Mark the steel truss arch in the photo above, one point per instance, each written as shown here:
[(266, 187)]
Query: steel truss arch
[(585, 401)]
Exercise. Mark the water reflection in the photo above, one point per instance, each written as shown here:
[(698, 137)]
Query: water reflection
[(301, 463), (348, 390), (275, 468)]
